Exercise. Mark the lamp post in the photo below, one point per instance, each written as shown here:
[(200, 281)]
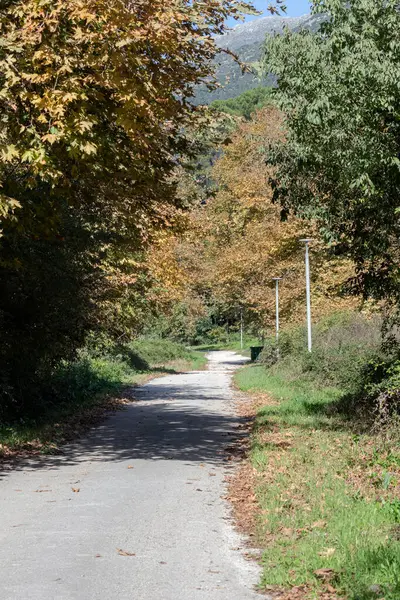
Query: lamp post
[(308, 293), (241, 327), (277, 280)]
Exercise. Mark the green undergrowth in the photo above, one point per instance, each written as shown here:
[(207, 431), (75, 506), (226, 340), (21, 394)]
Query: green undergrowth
[(79, 391), (328, 494), (245, 351), (234, 345)]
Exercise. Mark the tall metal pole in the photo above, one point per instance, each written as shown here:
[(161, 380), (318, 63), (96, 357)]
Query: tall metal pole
[(241, 328), (308, 293), (277, 280)]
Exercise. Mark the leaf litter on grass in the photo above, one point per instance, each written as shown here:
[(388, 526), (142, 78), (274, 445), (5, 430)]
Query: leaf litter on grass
[(320, 531)]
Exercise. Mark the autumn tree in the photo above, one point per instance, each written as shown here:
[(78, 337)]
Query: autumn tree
[(239, 242), (95, 98)]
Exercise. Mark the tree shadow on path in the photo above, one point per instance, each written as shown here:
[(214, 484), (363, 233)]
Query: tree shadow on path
[(176, 421)]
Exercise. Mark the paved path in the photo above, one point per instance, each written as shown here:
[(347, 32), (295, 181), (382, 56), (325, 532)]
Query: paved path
[(57, 544)]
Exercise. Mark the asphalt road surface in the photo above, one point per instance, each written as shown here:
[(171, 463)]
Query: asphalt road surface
[(135, 510)]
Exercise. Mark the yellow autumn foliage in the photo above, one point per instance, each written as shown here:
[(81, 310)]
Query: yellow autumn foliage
[(238, 241)]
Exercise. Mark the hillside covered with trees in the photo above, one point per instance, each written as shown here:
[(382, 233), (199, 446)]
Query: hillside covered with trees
[(246, 41)]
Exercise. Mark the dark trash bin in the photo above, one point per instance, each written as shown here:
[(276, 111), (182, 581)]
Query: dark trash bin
[(255, 352)]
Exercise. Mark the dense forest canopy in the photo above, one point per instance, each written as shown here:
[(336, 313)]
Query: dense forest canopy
[(245, 104)]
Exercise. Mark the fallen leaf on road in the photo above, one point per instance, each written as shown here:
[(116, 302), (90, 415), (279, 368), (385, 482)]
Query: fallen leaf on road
[(125, 553)]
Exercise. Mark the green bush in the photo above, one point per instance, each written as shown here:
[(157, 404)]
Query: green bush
[(102, 366), (102, 346), (78, 381), (139, 355), (341, 366), (348, 354), (378, 392), (343, 344), (158, 351)]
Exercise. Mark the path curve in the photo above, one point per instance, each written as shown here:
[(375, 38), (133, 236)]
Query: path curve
[(148, 482)]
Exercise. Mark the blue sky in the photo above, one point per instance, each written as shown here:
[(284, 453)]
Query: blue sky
[(295, 8)]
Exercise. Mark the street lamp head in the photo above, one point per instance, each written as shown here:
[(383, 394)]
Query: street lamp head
[(277, 278), (307, 240)]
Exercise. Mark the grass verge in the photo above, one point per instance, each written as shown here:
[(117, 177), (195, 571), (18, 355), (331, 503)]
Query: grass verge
[(328, 496), (83, 392), (234, 345)]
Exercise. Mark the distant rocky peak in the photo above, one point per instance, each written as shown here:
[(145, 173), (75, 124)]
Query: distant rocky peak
[(247, 41), (256, 31)]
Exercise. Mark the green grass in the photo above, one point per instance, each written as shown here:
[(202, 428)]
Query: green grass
[(86, 386), (324, 492), (81, 391), (234, 345), (156, 352), (198, 361)]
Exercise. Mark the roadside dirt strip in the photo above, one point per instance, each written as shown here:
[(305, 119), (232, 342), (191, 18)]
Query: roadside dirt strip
[(137, 510)]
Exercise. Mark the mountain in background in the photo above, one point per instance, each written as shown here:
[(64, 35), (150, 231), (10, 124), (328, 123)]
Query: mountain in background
[(247, 41)]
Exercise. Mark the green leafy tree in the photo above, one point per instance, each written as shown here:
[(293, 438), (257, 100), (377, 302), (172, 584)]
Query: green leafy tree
[(340, 161), (246, 104)]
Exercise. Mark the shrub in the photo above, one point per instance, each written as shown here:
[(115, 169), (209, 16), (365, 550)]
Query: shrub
[(158, 351), (269, 355), (343, 344), (101, 366), (78, 381), (348, 354), (378, 392)]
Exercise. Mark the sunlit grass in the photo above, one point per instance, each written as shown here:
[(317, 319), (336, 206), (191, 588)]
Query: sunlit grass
[(320, 508), (234, 345)]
